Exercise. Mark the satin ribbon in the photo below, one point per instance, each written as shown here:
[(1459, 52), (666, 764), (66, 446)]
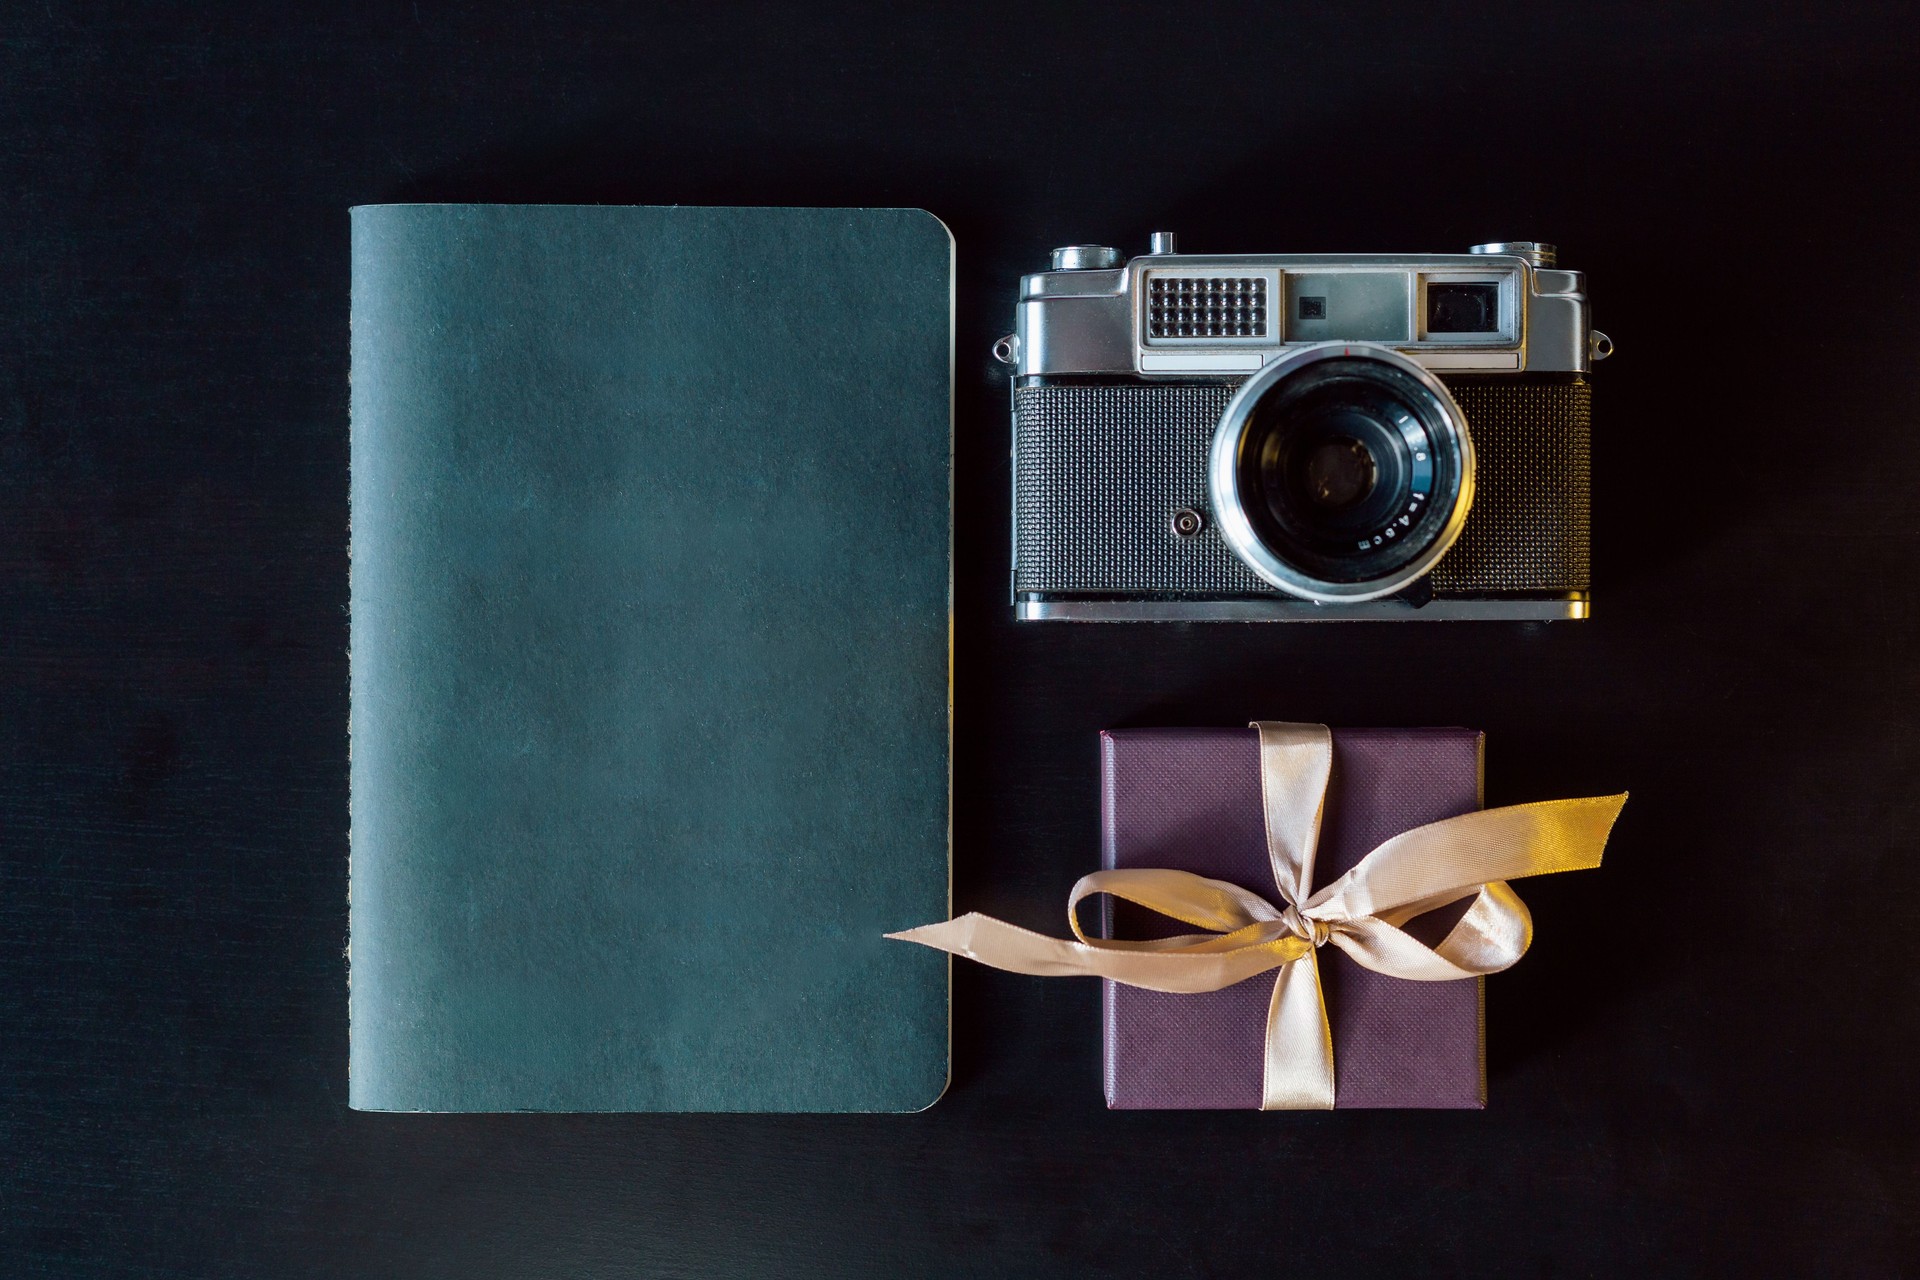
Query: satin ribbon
[(1360, 912)]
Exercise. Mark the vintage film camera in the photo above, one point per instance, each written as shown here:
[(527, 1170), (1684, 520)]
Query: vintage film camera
[(1309, 437)]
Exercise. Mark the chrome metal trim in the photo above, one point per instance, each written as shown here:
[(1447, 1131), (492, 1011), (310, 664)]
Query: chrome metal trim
[(1237, 530), (1086, 321), (1443, 610), (1469, 361)]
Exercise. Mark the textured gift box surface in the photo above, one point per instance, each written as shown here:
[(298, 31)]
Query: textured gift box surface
[(1190, 800)]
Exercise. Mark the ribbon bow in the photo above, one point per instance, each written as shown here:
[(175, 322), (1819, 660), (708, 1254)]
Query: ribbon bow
[(1361, 912)]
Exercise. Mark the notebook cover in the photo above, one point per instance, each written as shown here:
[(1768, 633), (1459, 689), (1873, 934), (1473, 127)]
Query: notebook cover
[(1189, 799), (649, 657)]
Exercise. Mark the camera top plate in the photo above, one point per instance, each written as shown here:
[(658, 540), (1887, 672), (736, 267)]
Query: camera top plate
[(1172, 315)]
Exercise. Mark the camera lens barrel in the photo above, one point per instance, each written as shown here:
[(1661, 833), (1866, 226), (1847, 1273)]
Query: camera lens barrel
[(1342, 472)]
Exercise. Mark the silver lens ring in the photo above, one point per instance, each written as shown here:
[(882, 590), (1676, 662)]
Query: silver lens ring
[(1239, 526)]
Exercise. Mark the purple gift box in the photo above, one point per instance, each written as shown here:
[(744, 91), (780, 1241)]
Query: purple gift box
[(1190, 800)]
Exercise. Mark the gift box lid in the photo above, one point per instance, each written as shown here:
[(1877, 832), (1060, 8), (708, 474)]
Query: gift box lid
[(1189, 799)]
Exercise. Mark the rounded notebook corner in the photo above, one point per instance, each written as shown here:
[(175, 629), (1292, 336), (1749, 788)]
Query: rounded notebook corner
[(945, 230), (946, 1083)]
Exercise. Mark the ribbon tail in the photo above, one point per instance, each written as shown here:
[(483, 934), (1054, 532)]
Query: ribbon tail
[(1298, 1072), (1447, 860), (1001, 945), (1196, 968)]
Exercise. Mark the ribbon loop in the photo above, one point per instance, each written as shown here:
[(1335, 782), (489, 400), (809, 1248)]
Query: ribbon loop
[(1179, 895), (1361, 912)]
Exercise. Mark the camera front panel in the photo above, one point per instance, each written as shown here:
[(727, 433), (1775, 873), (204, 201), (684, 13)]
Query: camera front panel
[(1530, 527), (1111, 495)]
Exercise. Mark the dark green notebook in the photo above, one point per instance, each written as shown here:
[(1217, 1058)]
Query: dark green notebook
[(650, 642)]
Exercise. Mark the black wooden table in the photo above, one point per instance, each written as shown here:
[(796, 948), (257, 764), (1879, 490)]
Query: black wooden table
[(1704, 1066)]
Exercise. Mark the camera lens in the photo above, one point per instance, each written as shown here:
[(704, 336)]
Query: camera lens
[(1342, 472), (1338, 473)]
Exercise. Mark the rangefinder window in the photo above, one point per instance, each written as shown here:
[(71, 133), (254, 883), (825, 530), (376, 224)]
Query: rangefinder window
[(1463, 308)]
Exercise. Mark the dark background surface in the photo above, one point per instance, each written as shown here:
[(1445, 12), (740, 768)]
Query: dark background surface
[(1704, 1066)]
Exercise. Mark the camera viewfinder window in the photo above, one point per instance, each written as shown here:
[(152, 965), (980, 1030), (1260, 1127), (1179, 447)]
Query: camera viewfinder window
[(1463, 308)]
